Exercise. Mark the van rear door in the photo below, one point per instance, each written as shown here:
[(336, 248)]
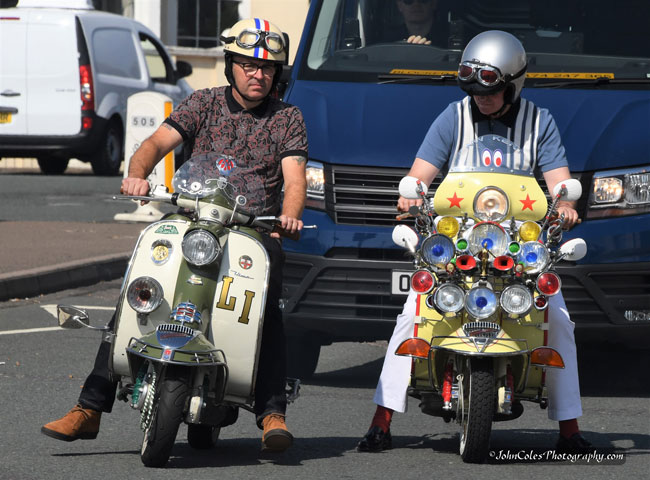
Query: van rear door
[(53, 100), (13, 89)]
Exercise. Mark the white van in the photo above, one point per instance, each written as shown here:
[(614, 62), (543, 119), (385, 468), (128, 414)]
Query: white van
[(65, 76)]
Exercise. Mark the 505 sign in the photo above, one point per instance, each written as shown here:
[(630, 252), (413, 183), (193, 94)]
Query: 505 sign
[(143, 121)]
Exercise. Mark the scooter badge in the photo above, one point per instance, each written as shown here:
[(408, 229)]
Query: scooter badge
[(245, 262)]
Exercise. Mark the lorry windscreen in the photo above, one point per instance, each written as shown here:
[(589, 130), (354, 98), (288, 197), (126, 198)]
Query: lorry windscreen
[(566, 40)]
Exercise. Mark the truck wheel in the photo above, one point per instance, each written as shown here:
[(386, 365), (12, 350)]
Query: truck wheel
[(159, 438), (479, 400), (302, 356), (202, 437), (108, 157), (52, 165)]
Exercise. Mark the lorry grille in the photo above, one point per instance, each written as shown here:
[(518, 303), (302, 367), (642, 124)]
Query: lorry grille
[(364, 195), (368, 195)]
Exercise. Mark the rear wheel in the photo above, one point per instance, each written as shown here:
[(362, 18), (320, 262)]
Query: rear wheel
[(168, 408), (477, 415), (202, 437), (51, 165), (108, 158)]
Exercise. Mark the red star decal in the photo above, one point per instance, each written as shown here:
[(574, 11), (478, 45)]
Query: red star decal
[(528, 203), (454, 201)]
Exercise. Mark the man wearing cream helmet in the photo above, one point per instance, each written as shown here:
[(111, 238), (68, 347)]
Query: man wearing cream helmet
[(267, 138)]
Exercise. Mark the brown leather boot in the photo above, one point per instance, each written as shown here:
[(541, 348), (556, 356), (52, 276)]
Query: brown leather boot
[(276, 437), (77, 423)]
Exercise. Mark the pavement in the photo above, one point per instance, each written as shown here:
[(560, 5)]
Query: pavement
[(44, 257)]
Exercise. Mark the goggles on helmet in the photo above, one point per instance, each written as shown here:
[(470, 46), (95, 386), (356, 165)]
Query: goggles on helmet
[(250, 38), (485, 75)]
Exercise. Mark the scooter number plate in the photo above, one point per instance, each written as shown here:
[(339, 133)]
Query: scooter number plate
[(400, 282)]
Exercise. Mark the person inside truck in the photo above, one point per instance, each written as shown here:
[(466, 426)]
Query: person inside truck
[(491, 71), (268, 136), (420, 24)]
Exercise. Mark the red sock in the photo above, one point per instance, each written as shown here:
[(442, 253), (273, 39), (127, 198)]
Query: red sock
[(568, 428), (382, 418)]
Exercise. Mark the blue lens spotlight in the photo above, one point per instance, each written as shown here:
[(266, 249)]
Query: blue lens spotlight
[(481, 302), (438, 250), (534, 256)]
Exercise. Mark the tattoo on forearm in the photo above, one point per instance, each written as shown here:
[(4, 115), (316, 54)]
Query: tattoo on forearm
[(300, 160)]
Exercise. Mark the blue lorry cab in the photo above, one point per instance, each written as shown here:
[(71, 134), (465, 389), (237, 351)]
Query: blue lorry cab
[(369, 97)]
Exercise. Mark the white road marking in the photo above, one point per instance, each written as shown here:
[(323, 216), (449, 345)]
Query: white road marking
[(51, 309), (30, 330)]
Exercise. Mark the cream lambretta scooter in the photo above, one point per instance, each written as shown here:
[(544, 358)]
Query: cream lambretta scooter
[(188, 324)]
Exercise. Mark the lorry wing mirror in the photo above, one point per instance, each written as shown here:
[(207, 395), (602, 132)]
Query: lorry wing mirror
[(410, 187), (573, 190), (573, 250), (405, 237)]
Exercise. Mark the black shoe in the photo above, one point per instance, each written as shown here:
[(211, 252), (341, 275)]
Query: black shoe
[(574, 444), (375, 440)]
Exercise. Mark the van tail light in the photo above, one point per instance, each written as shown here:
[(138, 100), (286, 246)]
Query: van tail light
[(414, 347), (87, 88), (546, 357)]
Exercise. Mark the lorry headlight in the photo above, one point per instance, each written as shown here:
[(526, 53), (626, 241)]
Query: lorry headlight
[(144, 294), (315, 185), (619, 192), (200, 248)]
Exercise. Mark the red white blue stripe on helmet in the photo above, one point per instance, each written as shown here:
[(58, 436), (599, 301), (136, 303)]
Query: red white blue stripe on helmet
[(258, 25)]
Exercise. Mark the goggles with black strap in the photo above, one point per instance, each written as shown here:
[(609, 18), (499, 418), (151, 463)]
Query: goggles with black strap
[(484, 74), (251, 38)]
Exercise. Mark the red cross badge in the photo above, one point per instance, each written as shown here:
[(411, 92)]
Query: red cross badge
[(245, 262)]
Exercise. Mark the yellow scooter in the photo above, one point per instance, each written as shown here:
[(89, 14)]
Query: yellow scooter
[(484, 275)]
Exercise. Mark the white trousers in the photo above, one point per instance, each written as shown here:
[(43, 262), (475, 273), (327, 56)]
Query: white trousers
[(563, 385)]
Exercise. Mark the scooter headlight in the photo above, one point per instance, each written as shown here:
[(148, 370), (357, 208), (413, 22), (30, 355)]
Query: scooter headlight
[(200, 247), (481, 302), (491, 204), (534, 256), (516, 300), (449, 298), (144, 294), (438, 250), (490, 235)]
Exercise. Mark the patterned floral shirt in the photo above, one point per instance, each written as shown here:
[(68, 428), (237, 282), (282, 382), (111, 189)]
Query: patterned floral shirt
[(211, 122)]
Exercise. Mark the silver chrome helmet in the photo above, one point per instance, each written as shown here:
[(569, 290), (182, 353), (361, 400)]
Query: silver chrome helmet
[(493, 61)]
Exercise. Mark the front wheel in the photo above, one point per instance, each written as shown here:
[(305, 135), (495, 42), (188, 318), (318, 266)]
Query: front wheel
[(202, 437), (51, 165), (160, 435), (478, 411), (302, 356)]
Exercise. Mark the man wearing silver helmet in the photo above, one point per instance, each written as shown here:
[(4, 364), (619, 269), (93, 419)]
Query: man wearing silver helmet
[(492, 72), (268, 138)]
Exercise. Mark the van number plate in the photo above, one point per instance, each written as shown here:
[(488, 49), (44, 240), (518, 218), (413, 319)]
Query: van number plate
[(5, 117), (401, 282)]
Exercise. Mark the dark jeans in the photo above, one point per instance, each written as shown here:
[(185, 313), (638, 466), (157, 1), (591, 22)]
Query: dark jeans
[(99, 390)]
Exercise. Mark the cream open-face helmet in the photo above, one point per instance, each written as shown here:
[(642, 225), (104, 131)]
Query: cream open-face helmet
[(255, 38)]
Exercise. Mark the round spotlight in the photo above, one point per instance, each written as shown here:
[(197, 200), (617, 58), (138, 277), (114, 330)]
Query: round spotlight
[(481, 302), (516, 300)]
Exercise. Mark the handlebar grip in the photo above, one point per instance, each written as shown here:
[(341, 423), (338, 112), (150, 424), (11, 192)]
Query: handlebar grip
[(284, 233)]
